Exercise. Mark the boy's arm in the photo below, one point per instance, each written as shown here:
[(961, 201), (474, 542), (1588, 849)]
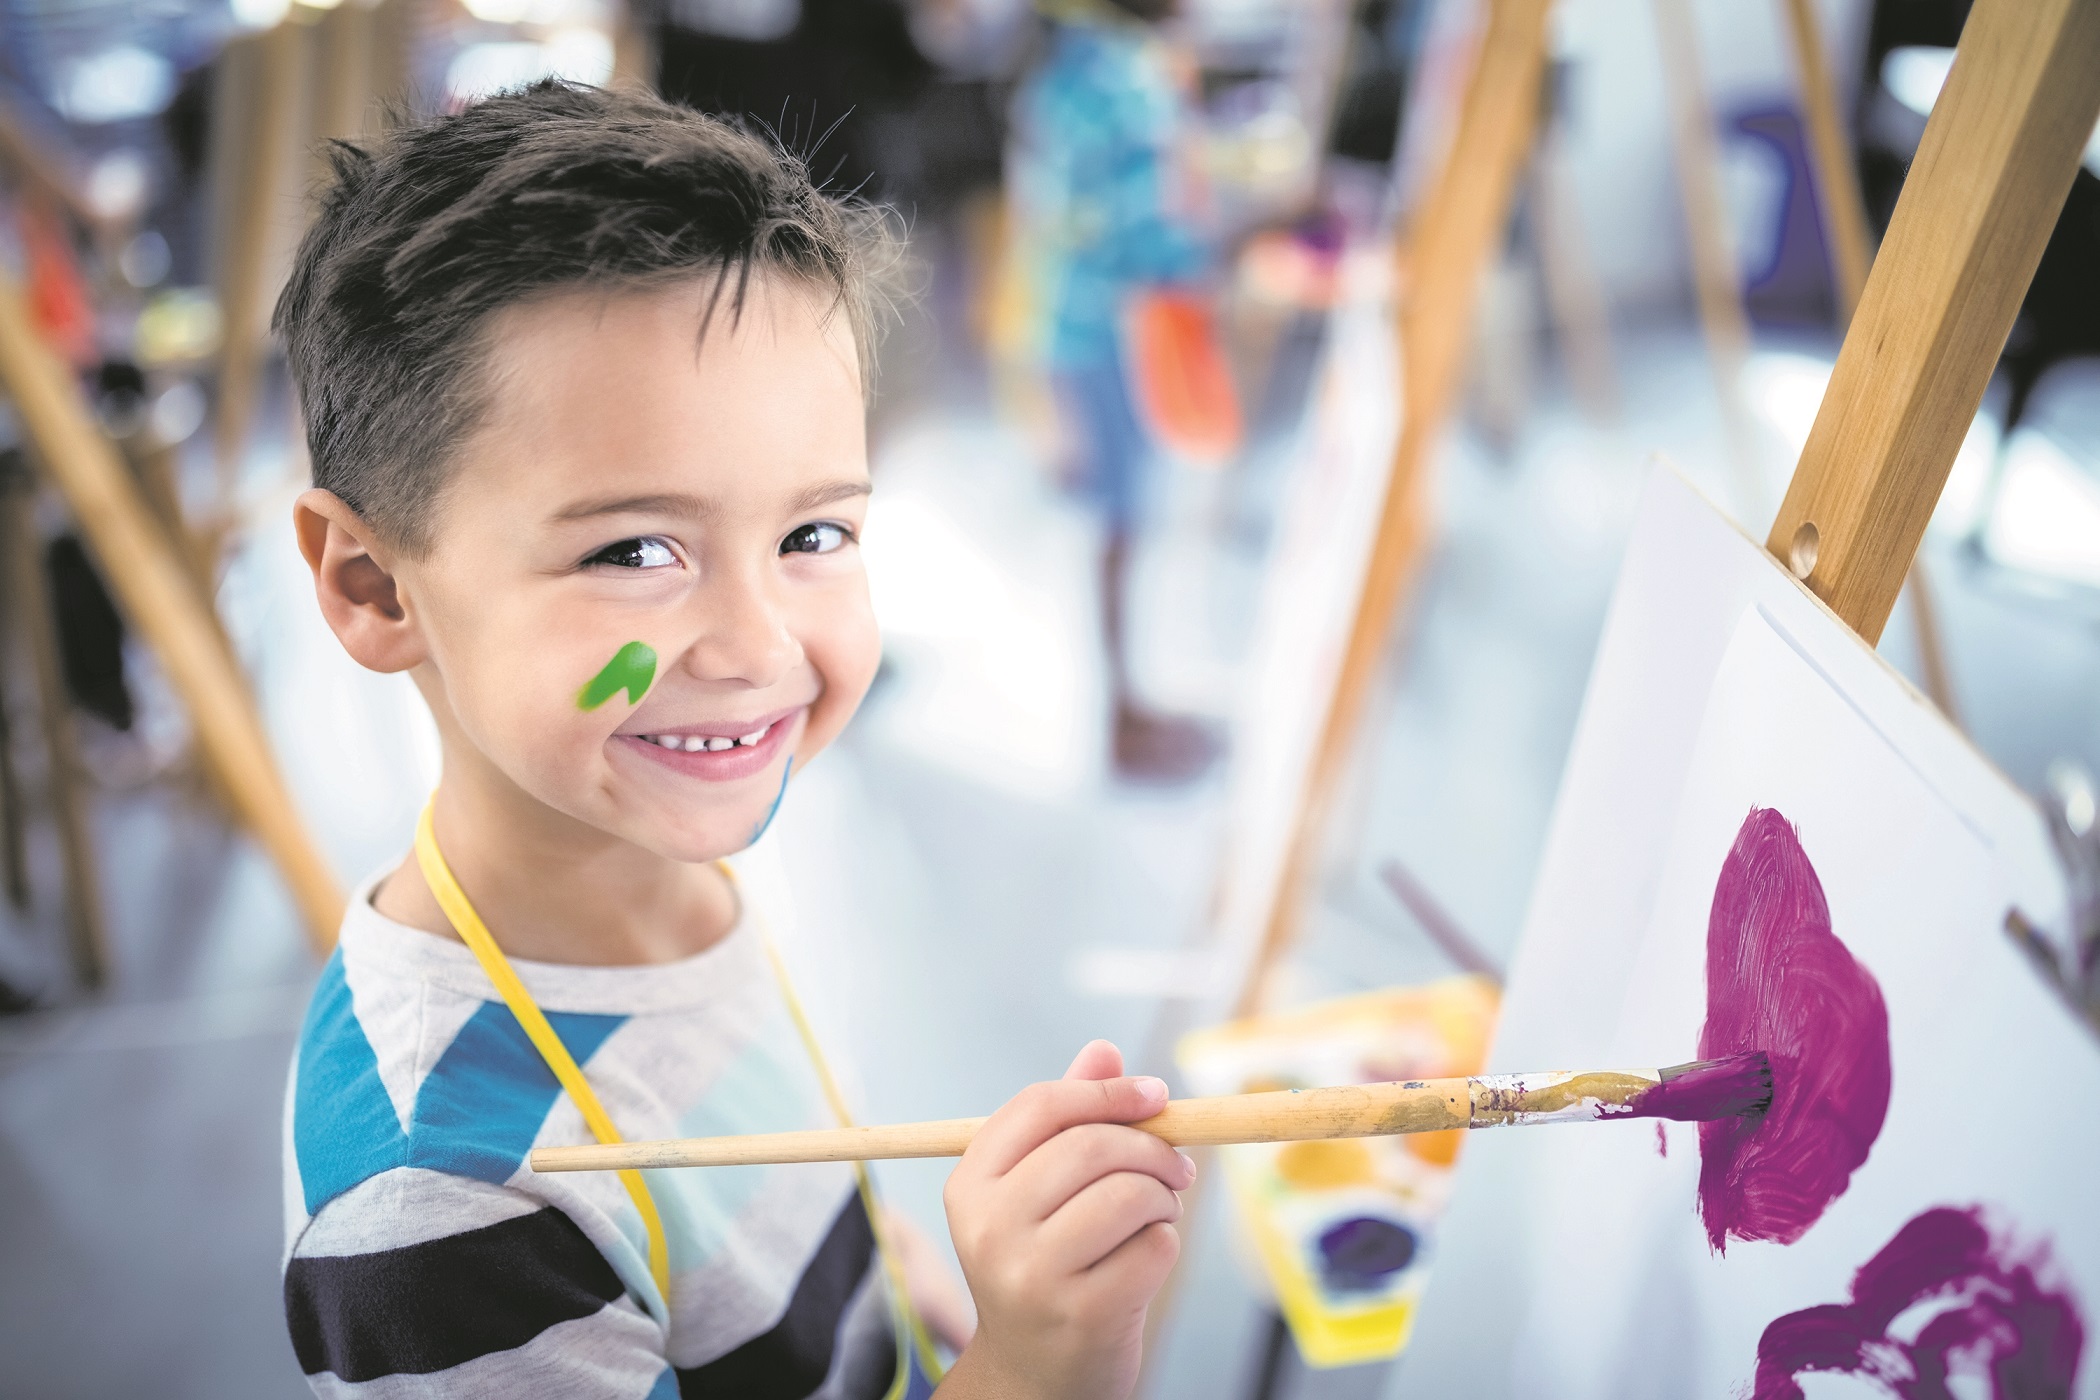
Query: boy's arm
[(1063, 1219), (450, 1287)]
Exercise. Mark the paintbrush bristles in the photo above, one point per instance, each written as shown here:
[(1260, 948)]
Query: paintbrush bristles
[(1734, 1086)]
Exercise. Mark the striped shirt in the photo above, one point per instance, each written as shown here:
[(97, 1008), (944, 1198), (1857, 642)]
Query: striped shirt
[(423, 1258)]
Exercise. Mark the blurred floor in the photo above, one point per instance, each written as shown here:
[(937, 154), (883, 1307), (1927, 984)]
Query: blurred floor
[(951, 858)]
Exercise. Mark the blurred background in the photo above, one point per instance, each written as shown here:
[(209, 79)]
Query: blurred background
[(1133, 227)]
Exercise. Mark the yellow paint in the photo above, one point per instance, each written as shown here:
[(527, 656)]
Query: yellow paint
[(1323, 1166)]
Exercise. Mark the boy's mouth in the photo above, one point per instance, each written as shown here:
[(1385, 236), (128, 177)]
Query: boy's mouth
[(721, 752)]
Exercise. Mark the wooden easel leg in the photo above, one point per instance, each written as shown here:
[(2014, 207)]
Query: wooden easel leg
[(1581, 314), (31, 602), (267, 67), (1714, 269), (14, 842), (1997, 158), (1851, 255)]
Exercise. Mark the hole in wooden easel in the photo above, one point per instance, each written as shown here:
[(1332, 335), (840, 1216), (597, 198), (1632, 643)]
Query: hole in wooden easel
[(1801, 555)]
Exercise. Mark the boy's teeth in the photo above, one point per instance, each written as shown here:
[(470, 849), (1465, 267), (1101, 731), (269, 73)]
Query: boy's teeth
[(705, 743)]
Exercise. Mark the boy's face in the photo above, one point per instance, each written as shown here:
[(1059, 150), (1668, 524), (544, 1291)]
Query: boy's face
[(642, 508)]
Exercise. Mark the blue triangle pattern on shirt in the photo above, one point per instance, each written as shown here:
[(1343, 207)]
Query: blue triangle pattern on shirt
[(476, 1112), (481, 1106)]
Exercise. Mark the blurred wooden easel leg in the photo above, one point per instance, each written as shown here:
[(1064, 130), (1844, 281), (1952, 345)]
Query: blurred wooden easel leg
[(29, 603), (1714, 270), (156, 594)]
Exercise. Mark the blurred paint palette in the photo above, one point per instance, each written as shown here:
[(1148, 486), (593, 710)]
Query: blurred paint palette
[(1342, 1229)]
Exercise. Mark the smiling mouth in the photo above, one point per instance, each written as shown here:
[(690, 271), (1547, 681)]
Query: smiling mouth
[(709, 743)]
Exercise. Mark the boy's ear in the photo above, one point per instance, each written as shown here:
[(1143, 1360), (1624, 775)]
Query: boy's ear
[(354, 581)]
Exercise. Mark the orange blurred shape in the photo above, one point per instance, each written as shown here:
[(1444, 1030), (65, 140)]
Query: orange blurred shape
[(1437, 1149), (1184, 387), (58, 298)]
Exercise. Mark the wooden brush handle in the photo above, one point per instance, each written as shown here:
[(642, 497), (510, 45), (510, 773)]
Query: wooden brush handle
[(1288, 1115)]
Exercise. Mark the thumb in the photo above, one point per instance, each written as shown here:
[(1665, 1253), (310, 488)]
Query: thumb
[(1099, 1059)]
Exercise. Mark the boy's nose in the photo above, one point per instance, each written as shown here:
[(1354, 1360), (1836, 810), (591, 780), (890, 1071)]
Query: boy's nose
[(743, 636)]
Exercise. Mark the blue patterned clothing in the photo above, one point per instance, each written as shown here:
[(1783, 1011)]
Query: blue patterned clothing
[(423, 1258), (1095, 126)]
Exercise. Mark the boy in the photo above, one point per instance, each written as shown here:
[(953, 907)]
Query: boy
[(583, 379)]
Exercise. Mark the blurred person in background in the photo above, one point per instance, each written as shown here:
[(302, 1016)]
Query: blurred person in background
[(1101, 208)]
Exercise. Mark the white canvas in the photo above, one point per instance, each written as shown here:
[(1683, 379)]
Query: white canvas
[(1573, 1262)]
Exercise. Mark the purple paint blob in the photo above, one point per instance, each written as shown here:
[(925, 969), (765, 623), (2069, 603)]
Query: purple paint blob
[(1726, 1088), (1662, 1141), (1778, 980), (1979, 1308), (1364, 1252)]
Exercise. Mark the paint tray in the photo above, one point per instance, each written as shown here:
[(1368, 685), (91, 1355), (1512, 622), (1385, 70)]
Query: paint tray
[(1342, 1230)]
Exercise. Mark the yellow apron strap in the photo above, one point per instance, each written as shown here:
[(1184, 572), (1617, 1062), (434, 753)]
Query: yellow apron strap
[(913, 1336), (475, 934)]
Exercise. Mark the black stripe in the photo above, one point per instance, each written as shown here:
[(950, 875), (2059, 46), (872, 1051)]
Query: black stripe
[(429, 1306), (792, 1360)]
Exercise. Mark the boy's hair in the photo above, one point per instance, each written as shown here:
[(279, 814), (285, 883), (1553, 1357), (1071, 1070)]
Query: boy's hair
[(430, 231)]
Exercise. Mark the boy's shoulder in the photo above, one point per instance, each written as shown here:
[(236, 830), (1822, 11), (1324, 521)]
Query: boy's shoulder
[(409, 1059)]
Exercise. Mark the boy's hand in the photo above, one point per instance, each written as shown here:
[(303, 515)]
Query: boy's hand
[(1063, 1219)]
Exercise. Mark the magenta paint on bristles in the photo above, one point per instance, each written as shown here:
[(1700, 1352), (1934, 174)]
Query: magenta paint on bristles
[(1705, 1091)]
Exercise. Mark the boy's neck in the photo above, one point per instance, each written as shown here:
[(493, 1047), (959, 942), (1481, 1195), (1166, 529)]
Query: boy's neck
[(554, 889)]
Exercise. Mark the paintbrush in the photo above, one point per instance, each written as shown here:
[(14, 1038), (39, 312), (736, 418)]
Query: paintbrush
[(1704, 1090)]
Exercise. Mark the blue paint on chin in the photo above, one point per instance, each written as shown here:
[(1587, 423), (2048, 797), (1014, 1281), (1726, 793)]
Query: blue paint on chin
[(774, 810)]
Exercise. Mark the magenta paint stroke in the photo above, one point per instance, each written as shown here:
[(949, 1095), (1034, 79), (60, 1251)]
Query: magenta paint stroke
[(1980, 1307), (1778, 980)]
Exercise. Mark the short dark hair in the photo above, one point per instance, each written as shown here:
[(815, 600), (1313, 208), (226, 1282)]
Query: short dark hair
[(431, 230)]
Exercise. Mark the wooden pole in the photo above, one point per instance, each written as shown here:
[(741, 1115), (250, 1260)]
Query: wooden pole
[(1830, 157), (162, 602), (1997, 158), (1714, 272), (1581, 313), (269, 63), (1457, 233), (1851, 254), (348, 37), (31, 601), (42, 169)]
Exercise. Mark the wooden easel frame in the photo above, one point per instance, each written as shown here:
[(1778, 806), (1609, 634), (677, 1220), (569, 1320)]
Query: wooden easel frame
[(1462, 219), (160, 597), (1996, 161)]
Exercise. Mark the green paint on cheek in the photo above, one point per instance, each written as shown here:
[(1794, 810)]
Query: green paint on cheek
[(631, 669)]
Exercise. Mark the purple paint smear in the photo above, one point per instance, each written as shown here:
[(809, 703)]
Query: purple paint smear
[(1983, 1310), (1778, 980)]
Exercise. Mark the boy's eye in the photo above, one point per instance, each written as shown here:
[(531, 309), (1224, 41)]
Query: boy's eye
[(820, 538), (647, 552)]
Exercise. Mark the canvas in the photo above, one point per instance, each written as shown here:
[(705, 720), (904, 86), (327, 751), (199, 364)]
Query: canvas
[(1766, 839)]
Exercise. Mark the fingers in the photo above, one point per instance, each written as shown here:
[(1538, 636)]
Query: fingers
[(1053, 1174), (1042, 1111), (1085, 1230), (1097, 1059)]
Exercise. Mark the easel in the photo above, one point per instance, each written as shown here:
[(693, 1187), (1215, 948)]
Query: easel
[(1996, 161), (1721, 314), (1455, 235), (160, 597), (1931, 321), (30, 623), (314, 77), (253, 133), (1851, 255), (1461, 220)]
